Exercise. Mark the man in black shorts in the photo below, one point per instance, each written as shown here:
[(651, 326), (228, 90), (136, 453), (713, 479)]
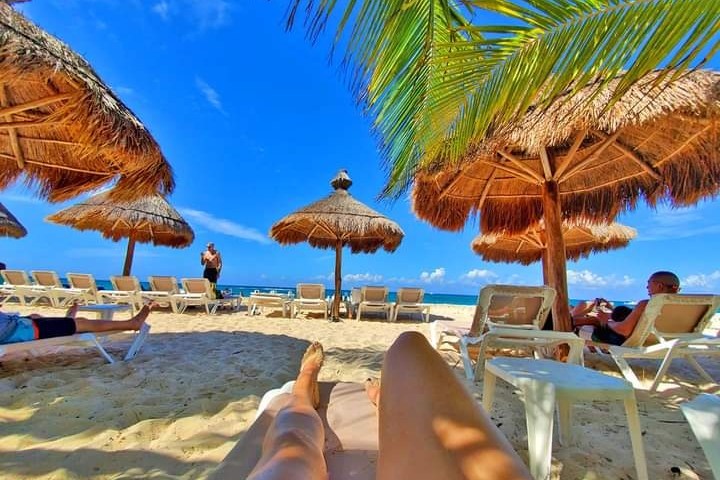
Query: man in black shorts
[(16, 328)]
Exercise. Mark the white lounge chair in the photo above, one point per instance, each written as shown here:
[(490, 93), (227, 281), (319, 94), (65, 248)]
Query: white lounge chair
[(60, 295), (126, 290), (164, 290), (83, 285), (374, 299), (18, 285), (310, 297), (703, 415), (346, 411), (410, 300), (670, 327), (79, 339), (198, 291)]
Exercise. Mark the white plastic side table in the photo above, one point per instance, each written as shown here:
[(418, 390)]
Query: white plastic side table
[(545, 382)]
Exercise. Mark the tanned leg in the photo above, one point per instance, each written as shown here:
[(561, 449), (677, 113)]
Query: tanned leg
[(430, 425), (293, 445), (86, 325)]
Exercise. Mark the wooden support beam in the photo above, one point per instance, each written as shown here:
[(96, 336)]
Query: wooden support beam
[(12, 134), (486, 188), (545, 162), (61, 167), (632, 156), (685, 144), (519, 174), (41, 102), (51, 141), (34, 123), (601, 147), (570, 154), (450, 184), (520, 165)]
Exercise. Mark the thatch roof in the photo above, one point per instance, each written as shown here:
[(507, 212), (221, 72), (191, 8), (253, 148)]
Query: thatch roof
[(62, 129), (147, 220), (660, 141), (339, 216), (580, 241), (9, 225)]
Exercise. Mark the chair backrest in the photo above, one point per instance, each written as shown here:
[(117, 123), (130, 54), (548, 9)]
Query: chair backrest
[(526, 305), (82, 280), (46, 278), (355, 295), (374, 294), (163, 284), (125, 283), (410, 295), (310, 291), (15, 277), (198, 286), (673, 315)]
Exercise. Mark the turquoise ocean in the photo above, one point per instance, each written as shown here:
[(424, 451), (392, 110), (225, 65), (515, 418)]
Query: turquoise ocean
[(433, 298)]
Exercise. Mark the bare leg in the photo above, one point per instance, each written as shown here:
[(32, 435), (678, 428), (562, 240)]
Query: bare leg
[(86, 325), (430, 425), (293, 446)]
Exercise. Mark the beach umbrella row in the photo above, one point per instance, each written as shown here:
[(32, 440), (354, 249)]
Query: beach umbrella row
[(583, 157), (149, 219), (61, 128), (9, 225), (338, 221)]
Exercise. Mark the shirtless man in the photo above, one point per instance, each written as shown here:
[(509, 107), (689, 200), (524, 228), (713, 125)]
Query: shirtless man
[(614, 328), (212, 261)]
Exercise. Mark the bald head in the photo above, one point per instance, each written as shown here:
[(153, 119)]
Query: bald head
[(667, 282)]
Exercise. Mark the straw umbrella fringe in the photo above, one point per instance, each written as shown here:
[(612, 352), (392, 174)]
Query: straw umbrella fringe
[(147, 220), (64, 129), (660, 141), (337, 221), (9, 225), (580, 241)]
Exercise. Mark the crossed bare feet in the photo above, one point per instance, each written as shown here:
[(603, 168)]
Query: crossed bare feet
[(138, 320), (310, 366), (372, 388)]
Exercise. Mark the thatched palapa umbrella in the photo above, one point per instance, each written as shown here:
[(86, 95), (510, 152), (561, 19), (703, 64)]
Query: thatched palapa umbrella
[(531, 246), (149, 219), (61, 128), (660, 141), (9, 225), (337, 221)]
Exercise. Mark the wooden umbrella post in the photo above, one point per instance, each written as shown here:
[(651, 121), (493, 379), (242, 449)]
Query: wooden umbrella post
[(545, 267), (335, 315), (129, 255), (557, 269)]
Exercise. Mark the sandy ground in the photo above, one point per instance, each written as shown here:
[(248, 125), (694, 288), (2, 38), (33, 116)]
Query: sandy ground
[(178, 408)]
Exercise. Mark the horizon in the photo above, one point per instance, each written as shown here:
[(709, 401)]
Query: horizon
[(255, 124)]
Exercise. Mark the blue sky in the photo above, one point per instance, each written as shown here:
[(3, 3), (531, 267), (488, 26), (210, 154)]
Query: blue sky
[(255, 122)]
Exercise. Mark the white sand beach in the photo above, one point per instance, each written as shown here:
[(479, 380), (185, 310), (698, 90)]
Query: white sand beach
[(178, 408)]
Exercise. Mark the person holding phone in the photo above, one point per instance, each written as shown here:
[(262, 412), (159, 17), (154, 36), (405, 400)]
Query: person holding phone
[(212, 261)]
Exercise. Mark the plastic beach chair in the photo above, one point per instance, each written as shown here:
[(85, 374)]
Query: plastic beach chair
[(374, 299), (703, 415), (164, 290), (18, 285), (410, 300), (671, 327), (310, 296)]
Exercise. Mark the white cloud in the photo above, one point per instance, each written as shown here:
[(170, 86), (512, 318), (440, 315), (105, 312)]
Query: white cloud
[(362, 277), (211, 95), (436, 276), (162, 8), (124, 90), (20, 198), (479, 274), (587, 278), (673, 223), (701, 279), (224, 226)]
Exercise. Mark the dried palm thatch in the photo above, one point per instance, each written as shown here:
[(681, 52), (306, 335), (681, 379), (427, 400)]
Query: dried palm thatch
[(660, 141), (61, 128), (338, 221), (9, 225), (580, 241), (147, 220)]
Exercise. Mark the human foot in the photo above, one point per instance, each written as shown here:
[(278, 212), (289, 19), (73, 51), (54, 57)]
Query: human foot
[(372, 388), (310, 365), (138, 320)]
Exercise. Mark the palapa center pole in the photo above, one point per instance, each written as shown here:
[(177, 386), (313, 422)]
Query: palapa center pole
[(335, 314), (129, 255), (556, 263)]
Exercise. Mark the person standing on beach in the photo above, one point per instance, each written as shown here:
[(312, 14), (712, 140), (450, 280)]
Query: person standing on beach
[(212, 261)]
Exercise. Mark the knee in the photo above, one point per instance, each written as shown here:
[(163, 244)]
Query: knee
[(410, 340)]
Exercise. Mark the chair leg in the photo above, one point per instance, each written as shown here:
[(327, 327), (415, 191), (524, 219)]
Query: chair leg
[(626, 370), (488, 391), (539, 411), (103, 352), (467, 363), (667, 359), (564, 420), (633, 418), (706, 376)]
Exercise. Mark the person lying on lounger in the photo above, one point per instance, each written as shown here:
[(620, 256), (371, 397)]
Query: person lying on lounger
[(614, 327), (17, 328), (430, 427)]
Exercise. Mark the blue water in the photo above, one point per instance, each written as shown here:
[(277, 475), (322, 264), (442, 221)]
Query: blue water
[(434, 298)]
